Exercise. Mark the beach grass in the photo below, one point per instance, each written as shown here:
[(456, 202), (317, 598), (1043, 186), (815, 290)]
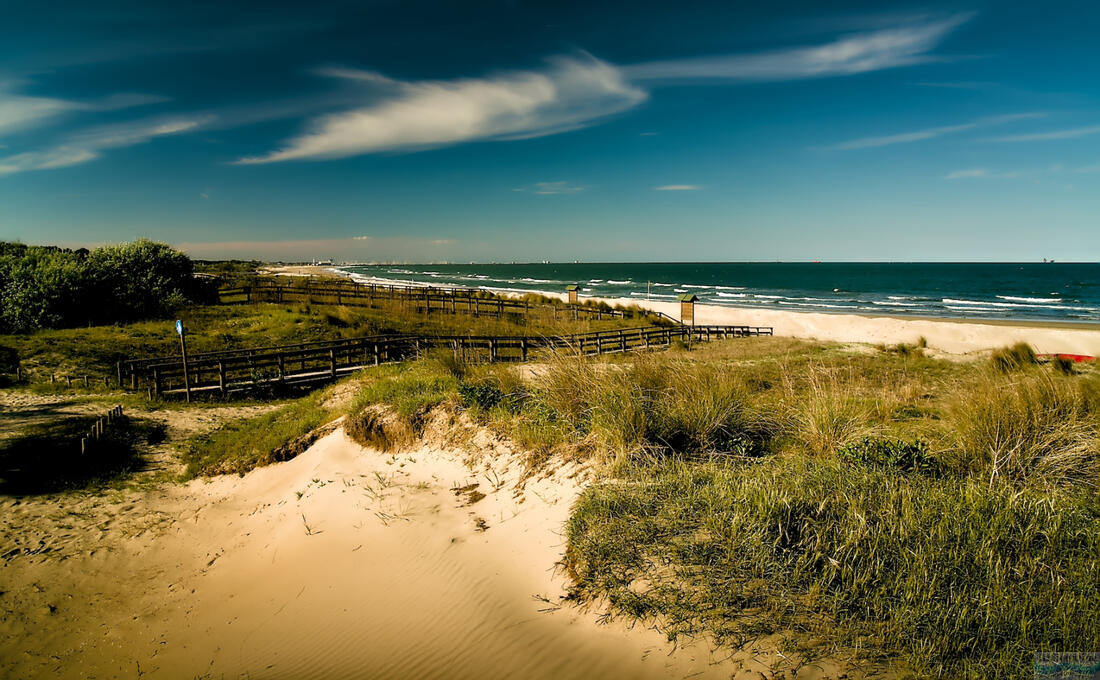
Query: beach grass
[(934, 516), (94, 351), (240, 445), (938, 517)]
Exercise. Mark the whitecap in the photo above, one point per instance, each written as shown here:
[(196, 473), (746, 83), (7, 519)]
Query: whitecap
[(1013, 298)]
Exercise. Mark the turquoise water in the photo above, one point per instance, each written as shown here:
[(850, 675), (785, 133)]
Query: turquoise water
[(1024, 291)]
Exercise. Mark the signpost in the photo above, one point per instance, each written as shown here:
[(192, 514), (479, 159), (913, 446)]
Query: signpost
[(183, 351)]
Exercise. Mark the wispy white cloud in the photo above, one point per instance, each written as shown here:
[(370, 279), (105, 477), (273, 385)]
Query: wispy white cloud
[(871, 51), (972, 173), (90, 144), (930, 133), (570, 93), (986, 173), (1051, 135), (678, 187), (976, 85), (20, 112), (550, 188)]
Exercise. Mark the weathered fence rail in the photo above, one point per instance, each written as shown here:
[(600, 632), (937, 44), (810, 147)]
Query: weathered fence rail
[(425, 299), (315, 362), (98, 428)]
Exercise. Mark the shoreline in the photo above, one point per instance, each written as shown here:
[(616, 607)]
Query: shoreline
[(950, 336), (953, 336)]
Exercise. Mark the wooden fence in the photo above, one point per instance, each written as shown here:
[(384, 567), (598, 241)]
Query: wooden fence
[(315, 362), (88, 441), (423, 299)]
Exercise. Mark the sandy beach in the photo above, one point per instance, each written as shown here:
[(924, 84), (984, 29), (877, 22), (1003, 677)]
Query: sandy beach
[(951, 337)]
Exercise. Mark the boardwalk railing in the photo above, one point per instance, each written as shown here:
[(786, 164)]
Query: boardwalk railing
[(315, 362), (426, 299)]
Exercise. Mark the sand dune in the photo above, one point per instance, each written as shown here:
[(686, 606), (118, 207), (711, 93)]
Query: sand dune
[(343, 562)]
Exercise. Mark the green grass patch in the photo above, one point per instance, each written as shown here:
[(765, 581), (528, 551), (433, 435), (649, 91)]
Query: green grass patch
[(241, 445), (952, 576)]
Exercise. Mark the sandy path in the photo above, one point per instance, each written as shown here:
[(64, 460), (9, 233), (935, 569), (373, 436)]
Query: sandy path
[(340, 563)]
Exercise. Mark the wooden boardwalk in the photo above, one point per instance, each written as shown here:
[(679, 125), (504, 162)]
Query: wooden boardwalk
[(323, 361), (423, 299)]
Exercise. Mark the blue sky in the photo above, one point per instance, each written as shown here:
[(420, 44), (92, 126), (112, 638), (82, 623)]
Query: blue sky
[(514, 131)]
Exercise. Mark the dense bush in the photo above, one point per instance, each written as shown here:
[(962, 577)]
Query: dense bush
[(48, 287)]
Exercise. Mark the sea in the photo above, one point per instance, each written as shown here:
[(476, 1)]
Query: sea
[(1065, 292)]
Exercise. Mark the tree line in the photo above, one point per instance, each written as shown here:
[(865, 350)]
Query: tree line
[(51, 287)]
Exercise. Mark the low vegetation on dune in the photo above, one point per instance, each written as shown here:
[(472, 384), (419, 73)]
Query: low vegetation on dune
[(939, 517), (94, 351), (942, 517)]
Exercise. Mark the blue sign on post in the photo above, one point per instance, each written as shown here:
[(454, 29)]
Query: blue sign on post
[(179, 327)]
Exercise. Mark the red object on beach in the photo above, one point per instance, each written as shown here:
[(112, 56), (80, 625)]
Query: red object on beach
[(1076, 358)]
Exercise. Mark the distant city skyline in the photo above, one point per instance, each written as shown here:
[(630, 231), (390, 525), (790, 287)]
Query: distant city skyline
[(430, 132)]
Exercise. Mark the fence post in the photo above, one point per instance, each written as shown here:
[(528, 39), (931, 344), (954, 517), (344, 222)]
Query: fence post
[(85, 381), (523, 348), (221, 377), (377, 354), (492, 349), (332, 362)]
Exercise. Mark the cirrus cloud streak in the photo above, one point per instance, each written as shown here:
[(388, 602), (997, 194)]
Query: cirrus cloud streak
[(571, 93)]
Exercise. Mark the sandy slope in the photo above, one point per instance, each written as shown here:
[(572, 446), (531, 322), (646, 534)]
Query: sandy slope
[(343, 562)]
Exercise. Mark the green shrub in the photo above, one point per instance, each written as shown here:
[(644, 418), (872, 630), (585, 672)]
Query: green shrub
[(483, 395), (889, 454), (47, 287)]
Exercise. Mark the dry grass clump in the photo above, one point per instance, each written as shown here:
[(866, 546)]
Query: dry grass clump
[(1031, 429), (652, 404), (1013, 358), (828, 412), (374, 428)]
